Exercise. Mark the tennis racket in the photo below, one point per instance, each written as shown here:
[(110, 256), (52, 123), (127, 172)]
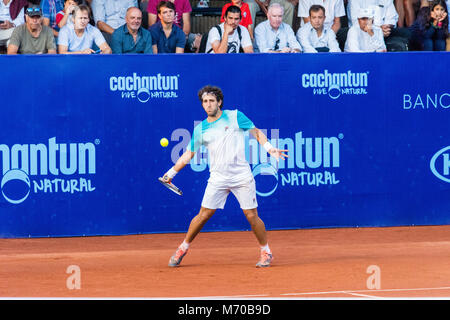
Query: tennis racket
[(170, 186)]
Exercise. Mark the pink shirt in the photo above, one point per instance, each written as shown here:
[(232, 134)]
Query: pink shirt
[(181, 6)]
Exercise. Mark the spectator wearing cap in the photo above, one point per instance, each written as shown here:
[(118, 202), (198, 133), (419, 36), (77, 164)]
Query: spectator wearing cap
[(132, 37), (110, 15), (80, 36), (334, 10), (385, 17), (50, 9), (32, 37), (11, 15), (167, 37), (314, 36), (273, 35), (364, 36)]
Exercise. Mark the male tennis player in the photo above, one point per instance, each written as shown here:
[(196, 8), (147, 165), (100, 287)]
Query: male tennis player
[(222, 133)]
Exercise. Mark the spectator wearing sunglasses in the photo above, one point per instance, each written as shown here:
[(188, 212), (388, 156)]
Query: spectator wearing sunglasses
[(32, 37), (274, 35)]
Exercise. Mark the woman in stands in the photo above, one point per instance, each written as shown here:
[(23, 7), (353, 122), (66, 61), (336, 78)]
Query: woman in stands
[(430, 30)]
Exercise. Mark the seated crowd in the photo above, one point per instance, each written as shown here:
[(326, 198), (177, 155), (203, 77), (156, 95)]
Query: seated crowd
[(117, 26)]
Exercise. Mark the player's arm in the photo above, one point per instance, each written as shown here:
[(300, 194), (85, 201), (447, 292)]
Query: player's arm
[(180, 164), (262, 139)]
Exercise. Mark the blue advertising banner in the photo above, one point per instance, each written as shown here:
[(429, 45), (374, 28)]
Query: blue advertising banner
[(368, 138)]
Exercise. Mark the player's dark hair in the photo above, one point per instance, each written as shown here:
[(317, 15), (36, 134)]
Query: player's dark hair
[(216, 91), (165, 4), (316, 8), (233, 9)]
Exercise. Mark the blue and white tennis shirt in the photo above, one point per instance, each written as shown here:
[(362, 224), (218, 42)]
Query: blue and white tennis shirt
[(225, 141)]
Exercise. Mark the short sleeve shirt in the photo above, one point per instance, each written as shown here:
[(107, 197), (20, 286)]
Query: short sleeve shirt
[(176, 39), (28, 44), (69, 38), (234, 43), (225, 141)]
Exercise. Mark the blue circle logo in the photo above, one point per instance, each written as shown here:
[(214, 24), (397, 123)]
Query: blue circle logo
[(15, 186), (266, 169)]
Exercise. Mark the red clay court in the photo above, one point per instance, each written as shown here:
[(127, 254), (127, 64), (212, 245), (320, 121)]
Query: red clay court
[(414, 262)]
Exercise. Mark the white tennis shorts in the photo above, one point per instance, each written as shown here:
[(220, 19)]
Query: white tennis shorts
[(216, 195)]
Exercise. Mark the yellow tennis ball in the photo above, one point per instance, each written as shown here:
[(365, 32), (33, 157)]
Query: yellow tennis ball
[(164, 142)]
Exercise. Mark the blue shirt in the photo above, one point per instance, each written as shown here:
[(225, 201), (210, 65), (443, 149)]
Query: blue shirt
[(68, 37), (122, 41), (176, 39)]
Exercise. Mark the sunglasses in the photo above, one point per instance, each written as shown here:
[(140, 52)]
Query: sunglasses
[(33, 10)]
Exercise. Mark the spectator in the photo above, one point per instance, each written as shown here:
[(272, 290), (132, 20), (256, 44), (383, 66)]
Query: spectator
[(364, 36), (64, 16), (229, 36), (182, 19), (49, 10), (132, 37), (246, 20), (79, 37), (32, 37), (11, 15), (288, 6), (273, 35), (314, 36), (334, 10), (430, 30), (166, 36), (110, 14), (183, 11), (385, 17)]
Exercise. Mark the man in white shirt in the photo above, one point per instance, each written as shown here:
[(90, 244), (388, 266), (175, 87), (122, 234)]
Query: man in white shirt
[(364, 36), (314, 36), (222, 134), (8, 24), (273, 35), (385, 17), (231, 37), (334, 10)]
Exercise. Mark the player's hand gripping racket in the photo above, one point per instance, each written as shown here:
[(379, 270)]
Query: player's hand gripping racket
[(170, 186)]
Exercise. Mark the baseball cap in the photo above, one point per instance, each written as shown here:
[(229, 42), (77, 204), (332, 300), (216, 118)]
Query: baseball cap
[(365, 13), (34, 10)]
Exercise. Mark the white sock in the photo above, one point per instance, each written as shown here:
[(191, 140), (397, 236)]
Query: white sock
[(266, 248), (184, 245)]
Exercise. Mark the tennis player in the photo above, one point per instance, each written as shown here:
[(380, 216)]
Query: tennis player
[(222, 133)]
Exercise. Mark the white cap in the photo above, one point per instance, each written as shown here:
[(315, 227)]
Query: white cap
[(365, 13)]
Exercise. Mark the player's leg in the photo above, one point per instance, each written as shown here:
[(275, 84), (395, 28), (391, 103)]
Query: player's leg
[(258, 227), (197, 223), (214, 198), (246, 196)]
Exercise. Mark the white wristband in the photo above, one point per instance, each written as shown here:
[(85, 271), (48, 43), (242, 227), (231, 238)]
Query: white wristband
[(267, 146), (171, 173)]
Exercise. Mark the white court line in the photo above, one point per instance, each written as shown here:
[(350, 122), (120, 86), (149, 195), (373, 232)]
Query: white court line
[(362, 291)]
